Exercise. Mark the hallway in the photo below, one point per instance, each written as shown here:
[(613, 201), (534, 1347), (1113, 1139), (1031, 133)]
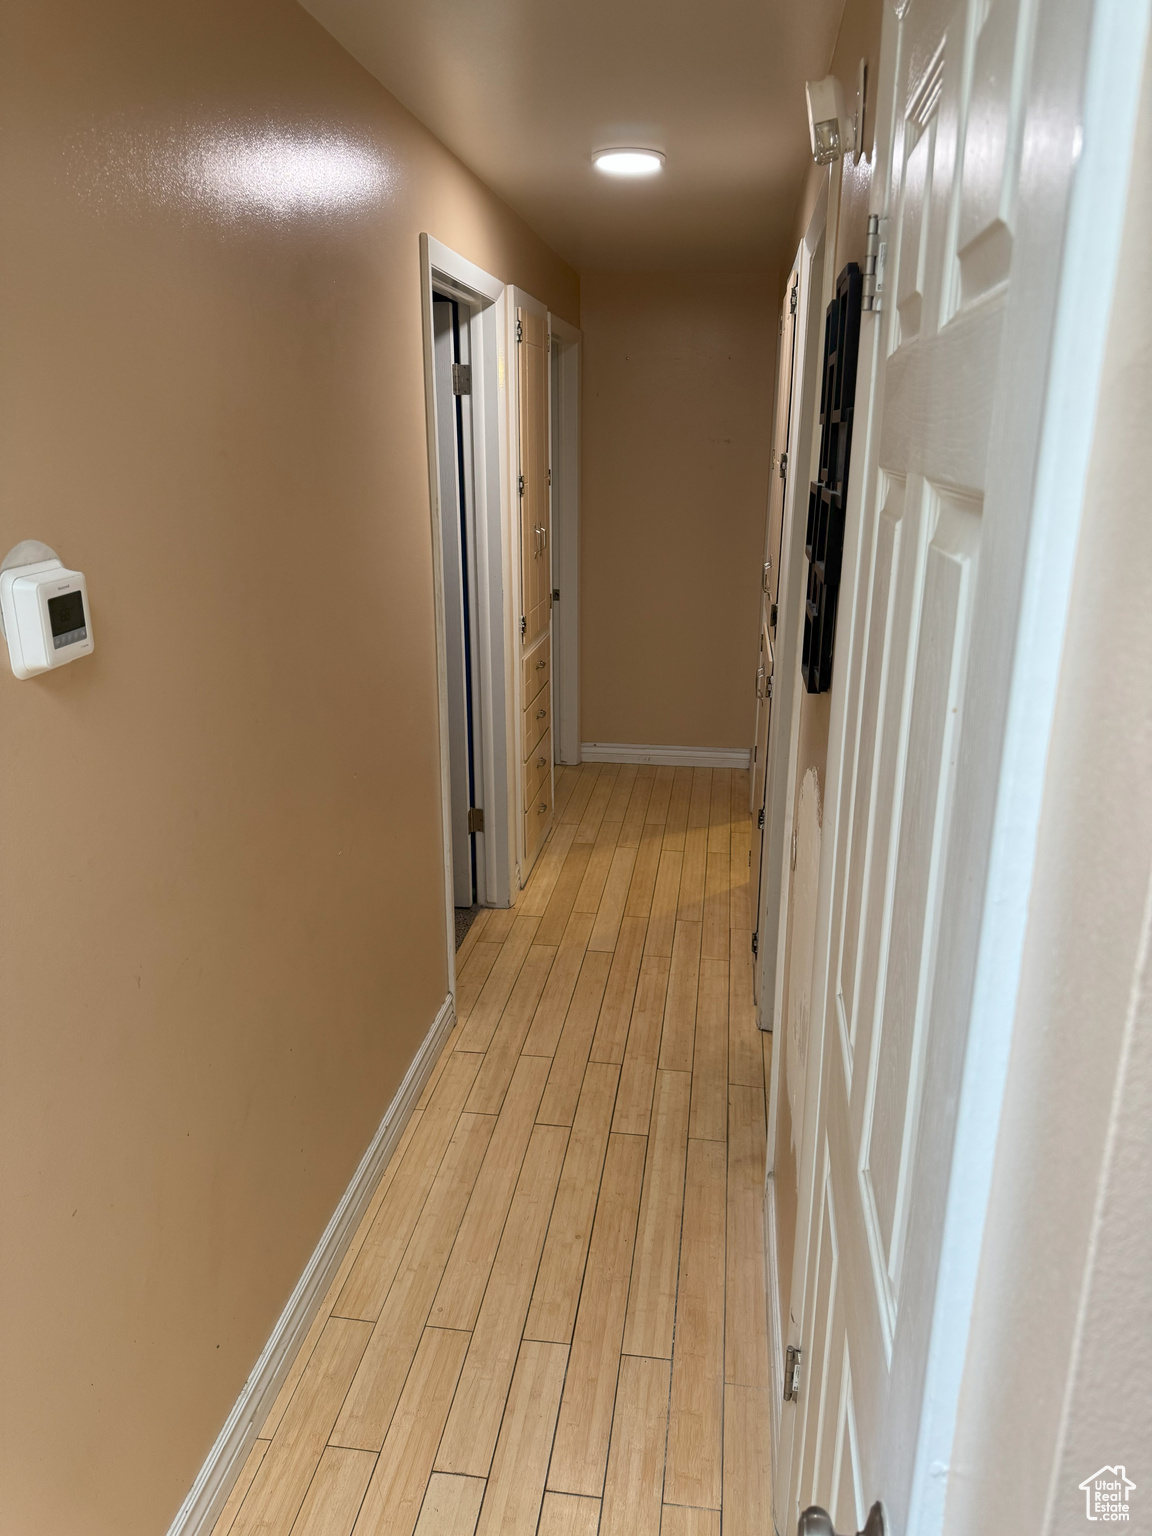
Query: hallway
[(552, 1316)]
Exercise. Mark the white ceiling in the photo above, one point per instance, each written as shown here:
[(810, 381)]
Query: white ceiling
[(524, 90)]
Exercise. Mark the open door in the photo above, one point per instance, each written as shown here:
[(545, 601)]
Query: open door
[(913, 987), (535, 580)]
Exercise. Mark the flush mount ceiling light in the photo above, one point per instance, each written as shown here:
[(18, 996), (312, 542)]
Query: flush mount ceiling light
[(628, 162)]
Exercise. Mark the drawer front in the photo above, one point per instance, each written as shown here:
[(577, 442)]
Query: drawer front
[(537, 820), (537, 720), (538, 768), (536, 671)]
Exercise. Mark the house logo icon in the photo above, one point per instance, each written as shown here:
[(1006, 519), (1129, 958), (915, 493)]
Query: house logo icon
[(1106, 1494)]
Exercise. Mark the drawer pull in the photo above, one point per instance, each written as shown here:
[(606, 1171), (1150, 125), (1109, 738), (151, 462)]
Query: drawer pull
[(542, 807), (541, 713)]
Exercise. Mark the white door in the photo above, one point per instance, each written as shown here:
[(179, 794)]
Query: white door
[(978, 129)]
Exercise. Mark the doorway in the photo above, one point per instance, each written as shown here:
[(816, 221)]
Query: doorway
[(466, 400), (452, 371)]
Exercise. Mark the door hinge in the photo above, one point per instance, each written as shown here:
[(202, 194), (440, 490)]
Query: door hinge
[(768, 689), (760, 820), (783, 465), (519, 331), (475, 819), (521, 485), (772, 617), (549, 476), (523, 625), (792, 1375), (461, 378), (875, 255), (756, 943), (792, 297), (555, 594)]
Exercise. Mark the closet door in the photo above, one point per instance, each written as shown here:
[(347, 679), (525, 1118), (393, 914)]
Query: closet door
[(535, 581)]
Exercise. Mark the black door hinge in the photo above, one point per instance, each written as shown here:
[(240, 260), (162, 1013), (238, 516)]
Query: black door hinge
[(475, 820), (756, 943), (760, 820), (523, 625), (783, 466), (772, 617), (519, 331), (521, 485), (555, 594)]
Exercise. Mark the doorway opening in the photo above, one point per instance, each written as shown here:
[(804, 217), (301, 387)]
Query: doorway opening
[(451, 367), (466, 403)]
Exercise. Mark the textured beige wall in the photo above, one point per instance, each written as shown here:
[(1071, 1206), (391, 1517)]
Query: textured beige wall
[(222, 935), (858, 38), (677, 403)]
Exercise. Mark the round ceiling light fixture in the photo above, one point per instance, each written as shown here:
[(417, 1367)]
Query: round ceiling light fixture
[(628, 162)]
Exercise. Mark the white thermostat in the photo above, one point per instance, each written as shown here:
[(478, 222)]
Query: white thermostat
[(45, 611)]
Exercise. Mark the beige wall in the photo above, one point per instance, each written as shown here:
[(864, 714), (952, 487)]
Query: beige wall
[(223, 935), (858, 38), (677, 408)]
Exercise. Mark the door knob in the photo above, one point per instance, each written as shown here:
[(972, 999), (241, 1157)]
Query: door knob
[(815, 1521)]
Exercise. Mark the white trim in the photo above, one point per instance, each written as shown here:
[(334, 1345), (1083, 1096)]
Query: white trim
[(514, 299), (446, 272), (210, 1491), (804, 439), (772, 1303), (784, 739), (676, 757), (564, 375)]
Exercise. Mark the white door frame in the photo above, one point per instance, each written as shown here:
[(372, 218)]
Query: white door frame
[(444, 271), (516, 298), (776, 877), (804, 435), (1116, 35), (564, 418)]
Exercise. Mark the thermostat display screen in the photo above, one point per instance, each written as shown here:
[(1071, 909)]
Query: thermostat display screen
[(66, 616)]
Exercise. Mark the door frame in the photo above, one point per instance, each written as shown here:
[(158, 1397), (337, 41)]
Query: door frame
[(1117, 34), (780, 790), (565, 349), (445, 271), (776, 877), (516, 298)]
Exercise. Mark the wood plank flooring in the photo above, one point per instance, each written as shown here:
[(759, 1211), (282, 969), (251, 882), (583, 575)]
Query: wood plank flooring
[(552, 1321)]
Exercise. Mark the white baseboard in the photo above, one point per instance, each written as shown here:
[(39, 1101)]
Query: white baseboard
[(676, 757), (210, 1491)]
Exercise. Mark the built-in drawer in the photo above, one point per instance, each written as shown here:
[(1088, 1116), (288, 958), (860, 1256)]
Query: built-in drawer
[(537, 820), (537, 719), (538, 767), (536, 669)]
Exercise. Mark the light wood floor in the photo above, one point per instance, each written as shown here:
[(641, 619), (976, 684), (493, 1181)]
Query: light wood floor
[(552, 1317)]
